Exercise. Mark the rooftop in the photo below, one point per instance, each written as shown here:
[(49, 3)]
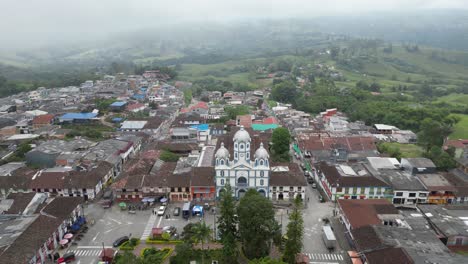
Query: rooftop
[(400, 180), (448, 222), (7, 169), (435, 182), (69, 116), (366, 212), (420, 162), (286, 174), (133, 124)]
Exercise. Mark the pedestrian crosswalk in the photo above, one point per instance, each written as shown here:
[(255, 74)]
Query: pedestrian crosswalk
[(87, 252), (149, 227), (325, 256)]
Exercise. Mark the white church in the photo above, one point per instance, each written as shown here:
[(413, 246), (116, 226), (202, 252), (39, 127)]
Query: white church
[(236, 165)]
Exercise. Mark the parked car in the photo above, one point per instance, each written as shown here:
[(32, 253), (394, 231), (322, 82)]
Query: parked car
[(310, 180), (176, 211), (67, 257), (161, 210), (120, 241), (314, 185), (170, 229)]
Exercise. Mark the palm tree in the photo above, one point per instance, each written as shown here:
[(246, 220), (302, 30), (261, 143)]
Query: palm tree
[(201, 233)]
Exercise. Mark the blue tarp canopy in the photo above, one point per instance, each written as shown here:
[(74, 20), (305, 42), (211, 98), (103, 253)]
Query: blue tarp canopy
[(118, 103), (79, 116), (197, 209), (201, 127), (117, 119)]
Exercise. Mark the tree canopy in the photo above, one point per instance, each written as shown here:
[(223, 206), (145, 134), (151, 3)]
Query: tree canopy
[(227, 225), (257, 224), (295, 233), (280, 140)]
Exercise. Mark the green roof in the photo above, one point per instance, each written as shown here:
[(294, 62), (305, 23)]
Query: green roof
[(262, 127)]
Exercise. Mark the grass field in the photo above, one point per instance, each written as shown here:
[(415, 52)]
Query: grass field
[(455, 99), (407, 150), (461, 128)]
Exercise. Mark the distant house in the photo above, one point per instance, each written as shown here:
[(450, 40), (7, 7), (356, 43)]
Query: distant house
[(418, 165), (118, 106), (4, 109), (43, 120), (244, 120), (136, 107), (77, 117), (133, 126)]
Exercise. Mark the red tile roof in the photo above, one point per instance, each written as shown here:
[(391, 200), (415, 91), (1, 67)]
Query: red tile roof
[(135, 106), (270, 120), (365, 212), (315, 143), (43, 119), (244, 120), (457, 143)]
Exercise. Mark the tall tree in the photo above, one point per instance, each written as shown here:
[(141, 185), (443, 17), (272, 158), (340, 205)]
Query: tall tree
[(432, 133), (295, 233), (201, 233), (257, 224), (280, 140), (285, 92), (266, 261), (227, 225)]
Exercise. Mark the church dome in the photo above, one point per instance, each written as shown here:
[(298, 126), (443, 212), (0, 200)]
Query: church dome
[(242, 135), (261, 153), (222, 152)]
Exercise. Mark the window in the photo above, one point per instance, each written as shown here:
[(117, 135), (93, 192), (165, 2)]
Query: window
[(222, 173), (354, 190), (136, 190), (412, 194), (299, 188), (248, 155), (241, 146), (354, 197), (222, 162), (248, 145), (346, 190), (274, 189), (222, 181), (217, 162), (124, 190), (235, 145), (291, 189), (266, 162), (261, 162), (262, 174), (371, 190), (172, 189), (338, 189), (280, 189), (363, 190), (235, 155), (399, 194), (261, 182)]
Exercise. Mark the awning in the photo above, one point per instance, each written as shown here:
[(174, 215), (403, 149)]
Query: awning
[(63, 242), (296, 148), (122, 204), (68, 236)]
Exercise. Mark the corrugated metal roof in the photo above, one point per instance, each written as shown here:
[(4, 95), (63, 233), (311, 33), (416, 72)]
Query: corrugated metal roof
[(118, 104), (133, 124), (78, 116)]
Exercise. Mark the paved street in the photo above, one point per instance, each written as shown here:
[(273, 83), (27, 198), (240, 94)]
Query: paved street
[(109, 225)]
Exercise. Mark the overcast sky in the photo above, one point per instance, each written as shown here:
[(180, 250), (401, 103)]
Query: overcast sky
[(25, 23)]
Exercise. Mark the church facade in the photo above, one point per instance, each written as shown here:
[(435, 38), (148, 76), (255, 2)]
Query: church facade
[(242, 170)]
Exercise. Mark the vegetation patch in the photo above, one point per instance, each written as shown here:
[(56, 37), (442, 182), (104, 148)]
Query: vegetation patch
[(460, 129)]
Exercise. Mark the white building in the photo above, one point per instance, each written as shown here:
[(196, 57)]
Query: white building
[(250, 168), (242, 172)]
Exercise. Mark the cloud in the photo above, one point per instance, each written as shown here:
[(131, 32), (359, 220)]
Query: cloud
[(29, 22)]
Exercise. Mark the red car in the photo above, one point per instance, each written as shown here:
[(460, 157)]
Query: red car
[(67, 257)]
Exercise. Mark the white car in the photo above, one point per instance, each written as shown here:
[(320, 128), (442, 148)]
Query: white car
[(161, 210)]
